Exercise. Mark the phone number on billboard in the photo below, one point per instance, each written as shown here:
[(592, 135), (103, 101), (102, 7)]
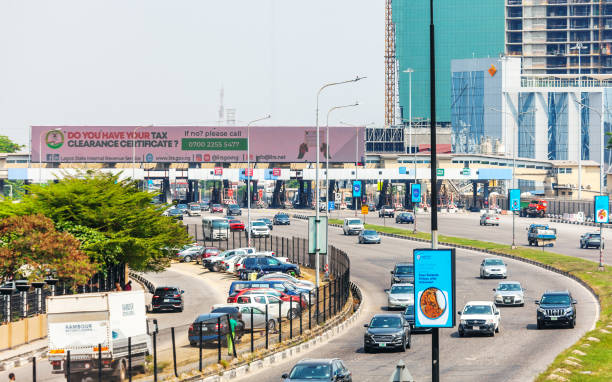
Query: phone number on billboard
[(214, 144)]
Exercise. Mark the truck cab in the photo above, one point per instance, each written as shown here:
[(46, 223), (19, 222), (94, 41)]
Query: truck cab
[(541, 235), (535, 208)]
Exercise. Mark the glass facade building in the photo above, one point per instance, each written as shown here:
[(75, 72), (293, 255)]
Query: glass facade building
[(464, 29)]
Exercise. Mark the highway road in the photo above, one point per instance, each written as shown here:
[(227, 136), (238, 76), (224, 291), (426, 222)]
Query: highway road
[(518, 353)]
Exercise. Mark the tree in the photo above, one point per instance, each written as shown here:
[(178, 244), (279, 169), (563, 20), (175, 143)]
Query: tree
[(31, 247), (133, 229), (8, 146)]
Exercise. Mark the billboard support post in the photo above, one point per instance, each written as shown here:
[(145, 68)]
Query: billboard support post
[(602, 215), (514, 205)]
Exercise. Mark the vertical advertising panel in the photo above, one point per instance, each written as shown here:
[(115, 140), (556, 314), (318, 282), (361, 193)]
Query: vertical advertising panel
[(514, 199), (356, 188), (602, 209), (434, 288), (415, 191)]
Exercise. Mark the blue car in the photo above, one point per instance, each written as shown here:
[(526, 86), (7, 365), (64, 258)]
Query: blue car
[(405, 217), (266, 264), (211, 328)]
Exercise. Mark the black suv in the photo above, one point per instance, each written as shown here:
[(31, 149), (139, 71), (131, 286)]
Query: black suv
[(234, 209), (266, 264), (387, 331), (556, 308), (402, 273), (167, 298)]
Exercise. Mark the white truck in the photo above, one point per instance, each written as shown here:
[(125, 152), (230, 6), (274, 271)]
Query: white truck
[(86, 324)]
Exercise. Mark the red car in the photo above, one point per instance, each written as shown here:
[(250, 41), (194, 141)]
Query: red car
[(216, 208), (283, 296), (208, 252), (236, 225)]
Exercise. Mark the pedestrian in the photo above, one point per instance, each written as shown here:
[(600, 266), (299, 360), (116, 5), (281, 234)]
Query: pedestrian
[(128, 286), (117, 287), (231, 335), (12, 377)]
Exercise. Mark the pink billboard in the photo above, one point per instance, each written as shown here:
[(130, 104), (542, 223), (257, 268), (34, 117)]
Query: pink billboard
[(193, 144)]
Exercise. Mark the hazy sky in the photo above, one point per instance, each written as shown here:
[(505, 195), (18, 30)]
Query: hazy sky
[(129, 62)]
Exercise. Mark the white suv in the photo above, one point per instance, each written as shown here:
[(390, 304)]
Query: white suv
[(352, 226), (479, 317), (259, 228)]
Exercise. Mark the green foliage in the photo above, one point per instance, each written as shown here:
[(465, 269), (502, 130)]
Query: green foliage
[(31, 247), (8, 146), (93, 204)]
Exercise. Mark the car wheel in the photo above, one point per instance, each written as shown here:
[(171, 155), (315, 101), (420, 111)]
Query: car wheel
[(461, 333), (187, 259), (403, 348), (497, 329), (409, 344), (215, 267), (539, 325), (291, 314), (121, 373), (581, 245), (521, 305), (193, 343), (271, 325), (366, 349), (492, 334), (572, 323)]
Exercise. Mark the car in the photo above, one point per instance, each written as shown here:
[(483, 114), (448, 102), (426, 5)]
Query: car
[(402, 273), (352, 226), (268, 222), (291, 306), (479, 317), (211, 330), (304, 284), (244, 310), (190, 253), (489, 219), (234, 209), (404, 217), (266, 264), (258, 228), (387, 331), (332, 369), (556, 308), (400, 296), (509, 293), (280, 285), (368, 236), (167, 298), (281, 219), (371, 207), (591, 239), (208, 252), (216, 208), (386, 211), (205, 206), (490, 268), (183, 207), (175, 213), (409, 316), (194, 210), (236, 225), (213, 263)]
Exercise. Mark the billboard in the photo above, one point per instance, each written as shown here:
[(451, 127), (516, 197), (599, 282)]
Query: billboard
[(108, 144), (415, 192), (602, 209), (514, 199), (434, 288)]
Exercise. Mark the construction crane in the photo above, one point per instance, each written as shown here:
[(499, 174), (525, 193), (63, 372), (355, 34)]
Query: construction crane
[(389, 66)]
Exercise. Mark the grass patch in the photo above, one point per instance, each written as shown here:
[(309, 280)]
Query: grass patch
[(598, 358)]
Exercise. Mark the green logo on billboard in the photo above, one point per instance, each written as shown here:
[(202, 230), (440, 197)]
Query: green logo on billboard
[(54, 139)]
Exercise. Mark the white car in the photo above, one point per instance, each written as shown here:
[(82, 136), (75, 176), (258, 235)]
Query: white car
[(400, 296), (259, 228), (490, 268), (509, 293), (302, 284), (213, 263), (259, 315), (479, 317), (352, 226), (261, 300)]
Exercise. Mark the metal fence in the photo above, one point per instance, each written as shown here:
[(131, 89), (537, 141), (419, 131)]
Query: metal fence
[(16, 305)]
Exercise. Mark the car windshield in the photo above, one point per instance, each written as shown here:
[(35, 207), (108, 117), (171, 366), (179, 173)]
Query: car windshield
[(354, 221), (386, 207), (369, 232), (259, 224), (234, 221), (404, 270), (310, 372), (220, 224), (175, 211), (508, 287), (283, 216), (477, 309), (555, 299), (216, 205), (385, 322), (594, 236), (266, 220), (396, 289), (234, 206), (493, 262), (181, 206)]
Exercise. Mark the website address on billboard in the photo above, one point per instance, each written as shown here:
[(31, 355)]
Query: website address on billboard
[(221, 144)]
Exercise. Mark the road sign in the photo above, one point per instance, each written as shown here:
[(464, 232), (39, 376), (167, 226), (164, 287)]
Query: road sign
[(276, 172), (602, 209), (331, 206), (356, 188), (514, 199), (439, 172), (230, 193), (434, 288), (218, 170), (465, 172), (321, 243), (415, 191), (364, 209)]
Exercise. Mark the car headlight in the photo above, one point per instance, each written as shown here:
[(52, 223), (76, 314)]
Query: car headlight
[(392, 298), (489, 321), (541, 310), (569, 311), (396, 279), (498, 298), (463, 322)]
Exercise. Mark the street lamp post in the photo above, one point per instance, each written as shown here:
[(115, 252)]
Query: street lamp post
[(40, 153), (356, 150), (327, 175), (579, 47), (248, 175), (317, 190)]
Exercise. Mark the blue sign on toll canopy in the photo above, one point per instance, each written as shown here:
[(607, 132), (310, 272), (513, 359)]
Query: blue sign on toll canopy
[(514, 199), (602, 209), (415, 191), (356, 188), (434, 288)]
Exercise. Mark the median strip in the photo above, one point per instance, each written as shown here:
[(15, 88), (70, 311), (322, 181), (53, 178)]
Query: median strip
[(589, 359)]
